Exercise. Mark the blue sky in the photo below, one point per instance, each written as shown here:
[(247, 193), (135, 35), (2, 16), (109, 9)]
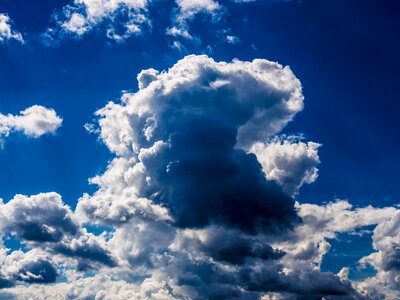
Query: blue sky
[(345, 54)]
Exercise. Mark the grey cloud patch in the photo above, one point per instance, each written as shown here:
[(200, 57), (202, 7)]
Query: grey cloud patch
[(193, 211), (88, 249), (44, 222), (39, 218), (202, 179), (234, 248), (41, 271), (29, 267)]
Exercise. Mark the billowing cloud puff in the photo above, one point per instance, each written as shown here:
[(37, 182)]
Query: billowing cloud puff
[(83, 15), (291, 162), (181, 143), (192, 200), (34, 121), (30, 267), (44, 222), (386, 259), (40, 218), (6, 31)]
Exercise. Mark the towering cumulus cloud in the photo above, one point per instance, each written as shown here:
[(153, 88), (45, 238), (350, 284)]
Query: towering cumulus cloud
[(182, 143), (192, 206), (34, 121)]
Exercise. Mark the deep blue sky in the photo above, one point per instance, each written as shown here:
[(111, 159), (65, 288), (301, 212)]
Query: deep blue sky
[(344, 52)]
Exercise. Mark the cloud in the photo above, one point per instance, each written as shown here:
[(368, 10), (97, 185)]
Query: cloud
[(39, 218), (121, 18), (187, 10), (34, 121), (290, 162), (29, 267), (180, 143), (190, 202), (42, 221), (6, 31), (386, 259)]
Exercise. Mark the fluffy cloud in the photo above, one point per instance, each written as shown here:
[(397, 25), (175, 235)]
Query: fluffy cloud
[(386, 259), (194, 201), (291, 162), (190, 201), (40, 218), (181, 145), (29, 267), (34, 121), (6, 31), (187, 10), (81, 16), (42, 221)]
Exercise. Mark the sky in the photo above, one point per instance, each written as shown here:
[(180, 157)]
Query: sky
[(136, 136)]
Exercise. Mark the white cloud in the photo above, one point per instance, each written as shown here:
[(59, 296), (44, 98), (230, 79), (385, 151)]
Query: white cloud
[(34, 121), (290, 162), (192, 216), (231, 39), (6, 31), (386, 259), (137, 130), (82, 16)]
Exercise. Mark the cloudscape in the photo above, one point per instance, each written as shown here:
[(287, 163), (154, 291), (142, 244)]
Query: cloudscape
[(199, 149)]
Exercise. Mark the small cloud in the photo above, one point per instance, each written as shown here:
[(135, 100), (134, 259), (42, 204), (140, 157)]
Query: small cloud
[(34, 121), (6, 31)]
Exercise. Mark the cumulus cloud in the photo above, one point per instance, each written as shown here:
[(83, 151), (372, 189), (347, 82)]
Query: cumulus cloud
[(386, 259), (34, 121), (180, 143), (195, 199), (42, 221), (121, 18), (6, 31), (40, 218), (191, 203), (29, 267), (290, 162)]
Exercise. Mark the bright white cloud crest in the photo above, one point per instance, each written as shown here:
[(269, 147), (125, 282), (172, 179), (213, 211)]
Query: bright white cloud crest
[(291, 163)]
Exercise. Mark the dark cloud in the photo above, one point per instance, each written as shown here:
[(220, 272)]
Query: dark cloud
[(391, 259), (87, 250), (203, 179), (233, 247), (40, 271), (40, 218)]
